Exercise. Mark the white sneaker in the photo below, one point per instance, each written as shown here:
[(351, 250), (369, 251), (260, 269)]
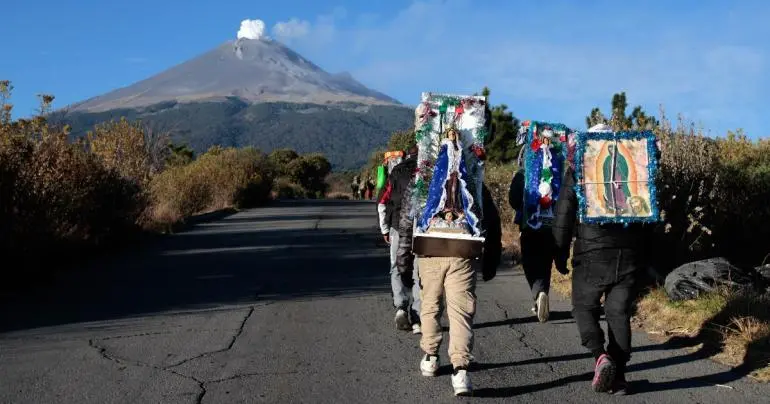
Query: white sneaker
[(461, 383), (543, 310), (416, 328), (429, 365), (402, 320)]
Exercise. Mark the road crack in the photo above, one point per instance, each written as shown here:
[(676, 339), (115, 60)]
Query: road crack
[(505, 312), (522, 335), (229, 346), (170, 368), (125, 361)]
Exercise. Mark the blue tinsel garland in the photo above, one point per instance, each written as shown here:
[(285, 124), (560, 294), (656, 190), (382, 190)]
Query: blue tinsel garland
[(652, 172), (533, 167)]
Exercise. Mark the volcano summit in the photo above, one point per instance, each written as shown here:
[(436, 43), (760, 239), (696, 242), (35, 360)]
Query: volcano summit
[(252, 70), (255, 91)]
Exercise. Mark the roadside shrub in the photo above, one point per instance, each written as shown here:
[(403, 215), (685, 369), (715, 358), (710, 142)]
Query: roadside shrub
[(57, 198), (713, 195), (121, 146), (218, 179), (284, 188)]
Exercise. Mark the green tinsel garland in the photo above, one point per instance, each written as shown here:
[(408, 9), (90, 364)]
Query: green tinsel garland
[(481, 135), (446, 100), (424, 130)]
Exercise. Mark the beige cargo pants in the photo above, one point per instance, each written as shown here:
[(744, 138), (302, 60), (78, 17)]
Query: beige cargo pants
[(455, 280)]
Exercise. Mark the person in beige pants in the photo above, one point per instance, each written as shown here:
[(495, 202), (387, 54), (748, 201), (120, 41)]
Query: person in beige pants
[(452, 279)]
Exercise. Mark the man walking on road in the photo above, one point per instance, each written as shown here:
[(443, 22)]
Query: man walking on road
[(453, 279), (606, 261), (403, 283), (537, 248)]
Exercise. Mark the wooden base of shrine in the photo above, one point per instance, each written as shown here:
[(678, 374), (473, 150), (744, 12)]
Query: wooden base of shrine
[(447, 245)]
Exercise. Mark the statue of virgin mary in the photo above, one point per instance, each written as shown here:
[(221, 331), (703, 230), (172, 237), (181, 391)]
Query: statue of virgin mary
[(449, 203)]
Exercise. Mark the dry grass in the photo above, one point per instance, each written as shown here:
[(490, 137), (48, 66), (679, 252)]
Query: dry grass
[(562, 284), (511, 246), (733, 328), (498, 179), (663, 317)]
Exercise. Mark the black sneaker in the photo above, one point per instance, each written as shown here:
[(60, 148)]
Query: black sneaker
[(619, 386)]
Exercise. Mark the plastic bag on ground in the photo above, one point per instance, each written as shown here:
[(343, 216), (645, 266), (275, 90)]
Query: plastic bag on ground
[(695, 278)]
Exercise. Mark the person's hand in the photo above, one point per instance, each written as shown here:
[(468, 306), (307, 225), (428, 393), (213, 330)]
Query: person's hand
[(488, 269), (386, 237), (561, 266)]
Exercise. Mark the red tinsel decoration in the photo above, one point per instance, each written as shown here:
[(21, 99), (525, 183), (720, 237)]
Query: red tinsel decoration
[(536, 144)]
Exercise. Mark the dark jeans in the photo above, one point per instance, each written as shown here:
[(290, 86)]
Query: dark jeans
[(537, 254), (619, 292)]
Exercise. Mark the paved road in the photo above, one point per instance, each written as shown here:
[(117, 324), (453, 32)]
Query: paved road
[(291, 304)]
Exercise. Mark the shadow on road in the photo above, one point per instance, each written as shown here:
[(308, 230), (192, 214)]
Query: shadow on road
[(237, 260), (637, 386), (554, 316)]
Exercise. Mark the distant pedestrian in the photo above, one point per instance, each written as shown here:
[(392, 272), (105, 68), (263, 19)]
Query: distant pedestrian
[(354, 186), (370, 185), (362, 190)]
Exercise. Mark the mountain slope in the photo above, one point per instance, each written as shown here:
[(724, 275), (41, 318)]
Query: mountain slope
[(259, 70), (255, 92), (346, 134)]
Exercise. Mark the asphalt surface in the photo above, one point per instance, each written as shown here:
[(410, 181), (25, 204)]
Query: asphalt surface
[(291, 303)]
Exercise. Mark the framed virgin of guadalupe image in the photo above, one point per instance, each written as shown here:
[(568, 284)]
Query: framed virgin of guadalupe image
[(616, 174)]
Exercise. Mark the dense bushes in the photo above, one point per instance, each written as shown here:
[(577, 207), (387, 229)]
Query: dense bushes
[(56, 197), (299, 176), (218, 179), (59, 196), (713, 194)]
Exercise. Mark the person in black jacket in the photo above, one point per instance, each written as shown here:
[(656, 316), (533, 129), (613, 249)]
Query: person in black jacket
[(406, 292), (606, 260), (538, 249)]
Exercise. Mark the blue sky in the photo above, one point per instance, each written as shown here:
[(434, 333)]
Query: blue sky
[(547, 60)]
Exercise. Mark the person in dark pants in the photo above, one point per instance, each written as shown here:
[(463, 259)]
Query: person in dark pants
[(607, 259), (538, 248)]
